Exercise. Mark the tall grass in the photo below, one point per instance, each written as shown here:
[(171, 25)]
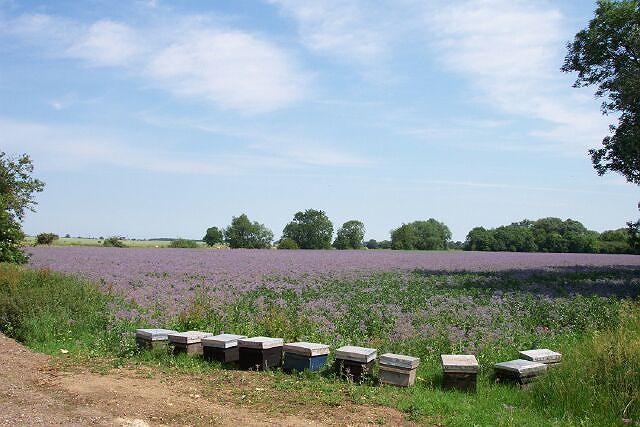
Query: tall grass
[(599, 380)]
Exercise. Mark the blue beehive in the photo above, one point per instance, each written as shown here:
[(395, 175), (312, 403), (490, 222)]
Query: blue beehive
[(300, 356)]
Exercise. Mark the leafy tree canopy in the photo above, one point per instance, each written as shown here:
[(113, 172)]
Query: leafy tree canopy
[(372, 244), (606, 54), (17, 189), (350, 235), (243, 233), (310, 229), (421, 235), (213, 236)]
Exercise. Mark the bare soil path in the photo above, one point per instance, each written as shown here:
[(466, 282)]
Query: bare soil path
[(35, 391)]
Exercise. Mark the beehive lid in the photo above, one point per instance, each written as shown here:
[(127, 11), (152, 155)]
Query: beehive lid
[(261, 343), (399, 361), (222, 340), (154, 334), (543, 355), (356, 354), (189, 337), (308, 349), (460, 363), (523, 368)]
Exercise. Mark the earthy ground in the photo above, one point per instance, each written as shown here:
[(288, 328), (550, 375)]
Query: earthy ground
[(35, 390)]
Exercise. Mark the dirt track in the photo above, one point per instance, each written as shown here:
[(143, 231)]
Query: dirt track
[(33, 391)]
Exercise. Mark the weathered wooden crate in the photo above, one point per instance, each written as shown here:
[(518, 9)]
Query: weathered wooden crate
[(221, 348), (519, 370), (189, 342), (300, 356), (398, 369), (152, 338), (260, 353), (459, 371), (355, 363)]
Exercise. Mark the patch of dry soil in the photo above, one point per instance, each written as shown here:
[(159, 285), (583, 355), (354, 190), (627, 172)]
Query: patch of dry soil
[(34, 392)]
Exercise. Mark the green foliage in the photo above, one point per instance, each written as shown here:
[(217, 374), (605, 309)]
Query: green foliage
[(17, 188), (213, 236), (633, 229), (243, 233), (46, 238), (310, 229), (421, 235), (372, 244), (350, 235), (607, 54), (545, 235), (599, 380), (113, 242), (287, 243), (384, 244), (50, 311), (183, 243)]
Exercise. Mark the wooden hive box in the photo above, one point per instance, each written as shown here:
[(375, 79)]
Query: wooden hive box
[(260, 353), (300, 356), (519, 370), (398, 369), (459, 371), (189, 342), (355, 363), (221, 348), (152, 338), (542, 355)]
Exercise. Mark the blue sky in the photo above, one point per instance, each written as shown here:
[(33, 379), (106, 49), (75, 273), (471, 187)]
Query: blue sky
[(158, 118)]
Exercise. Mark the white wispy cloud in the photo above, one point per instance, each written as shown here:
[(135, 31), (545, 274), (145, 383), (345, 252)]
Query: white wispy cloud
[(511, 52), (190, 56)]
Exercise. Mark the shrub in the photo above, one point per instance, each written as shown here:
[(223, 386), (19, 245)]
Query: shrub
[(372, 244), (213, 236), (183, 243), (46, 238), (114, 242), (287, 243)]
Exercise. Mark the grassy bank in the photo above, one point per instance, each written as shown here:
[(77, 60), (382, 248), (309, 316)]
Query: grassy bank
[(600, 337)]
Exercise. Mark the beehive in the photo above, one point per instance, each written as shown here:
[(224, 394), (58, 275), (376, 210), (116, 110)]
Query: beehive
[(519, 370), (260, 353), (543, 355), (459, 371), (152, 338), (398, 369), (189, 342), (221, 348), (300, 356), (354, 362)]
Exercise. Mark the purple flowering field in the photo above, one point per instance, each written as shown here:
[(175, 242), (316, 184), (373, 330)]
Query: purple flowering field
[(412, 301)]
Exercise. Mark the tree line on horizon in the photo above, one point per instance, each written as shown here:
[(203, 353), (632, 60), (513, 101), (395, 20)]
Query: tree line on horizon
[(312, 229)]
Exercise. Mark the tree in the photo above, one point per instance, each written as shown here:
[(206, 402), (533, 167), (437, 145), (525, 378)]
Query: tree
[(350, 235), (421, 235), (480, 239), (243, 233), (17, 189), (46, 238), (607, 54), (287, 243), (385, 244), (310, 229), (372, 244), (213, 236)]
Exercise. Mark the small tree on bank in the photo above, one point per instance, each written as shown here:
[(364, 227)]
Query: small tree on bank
[(17, 189), (243, 233)]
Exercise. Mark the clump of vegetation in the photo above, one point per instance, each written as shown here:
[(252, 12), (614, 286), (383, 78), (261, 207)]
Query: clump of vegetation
[(183, 243), (421, 235), (287, 243), (114, 242), (213, 236), (242, 233), (350, 235), (310, 229), (46, 238), (17, 188)]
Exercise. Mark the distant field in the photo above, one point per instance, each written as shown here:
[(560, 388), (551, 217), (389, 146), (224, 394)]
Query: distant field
[(76, 241)]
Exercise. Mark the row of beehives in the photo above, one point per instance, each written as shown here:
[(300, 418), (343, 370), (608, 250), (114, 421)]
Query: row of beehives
[(459, 371)]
